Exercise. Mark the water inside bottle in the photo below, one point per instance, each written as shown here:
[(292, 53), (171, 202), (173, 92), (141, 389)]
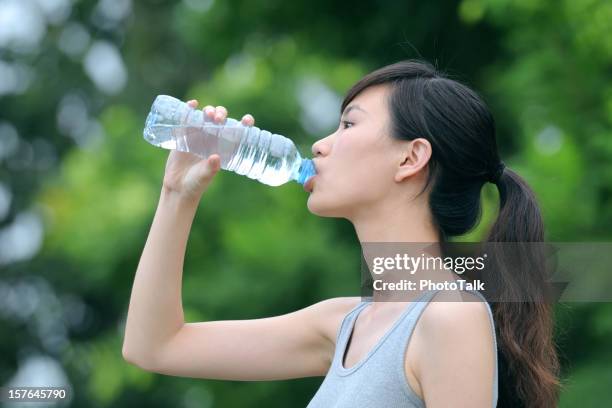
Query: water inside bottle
[(250, 151)]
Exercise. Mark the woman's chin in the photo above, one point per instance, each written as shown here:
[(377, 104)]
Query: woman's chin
[(312, 205), (317, 207)]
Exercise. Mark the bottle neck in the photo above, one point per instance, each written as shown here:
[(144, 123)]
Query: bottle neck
[(303, 170)]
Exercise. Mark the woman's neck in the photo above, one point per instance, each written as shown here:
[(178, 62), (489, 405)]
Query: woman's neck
[(407, 231), (396, 223)]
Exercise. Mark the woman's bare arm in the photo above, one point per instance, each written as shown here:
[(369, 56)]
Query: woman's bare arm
[(155, 313), (293, 345), (157, 338), (297, 344)]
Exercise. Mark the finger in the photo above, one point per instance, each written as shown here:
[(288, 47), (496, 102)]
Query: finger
[(221, 114), (214, 161), (248, 120), (193, 103), (209, 168), (209, 111)]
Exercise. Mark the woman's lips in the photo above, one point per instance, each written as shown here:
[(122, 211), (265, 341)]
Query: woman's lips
[(308, 185)]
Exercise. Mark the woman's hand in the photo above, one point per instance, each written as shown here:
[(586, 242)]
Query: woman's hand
[(188, 175)]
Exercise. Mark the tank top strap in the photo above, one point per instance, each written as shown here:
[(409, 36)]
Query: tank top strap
[(345, 327), (408, 324), (422, 302), (402, 335), (348, 324)]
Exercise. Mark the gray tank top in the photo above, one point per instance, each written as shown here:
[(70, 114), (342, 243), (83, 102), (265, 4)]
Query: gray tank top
[(378, 379)]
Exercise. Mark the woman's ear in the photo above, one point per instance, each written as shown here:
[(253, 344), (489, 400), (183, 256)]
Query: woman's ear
[(414, 157)]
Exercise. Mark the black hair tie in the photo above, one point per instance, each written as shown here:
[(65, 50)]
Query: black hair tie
[(496, 174)]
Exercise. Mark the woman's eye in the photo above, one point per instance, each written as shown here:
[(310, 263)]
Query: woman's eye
[(346, 123)]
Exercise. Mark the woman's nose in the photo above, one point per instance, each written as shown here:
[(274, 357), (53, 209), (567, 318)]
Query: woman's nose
[(315, 149), (318, 148)]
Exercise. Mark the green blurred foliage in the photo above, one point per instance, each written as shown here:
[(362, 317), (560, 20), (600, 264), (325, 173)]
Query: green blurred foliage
[(254, 251)]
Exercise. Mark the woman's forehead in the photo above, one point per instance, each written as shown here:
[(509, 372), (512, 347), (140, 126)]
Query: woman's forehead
[(371, 101)]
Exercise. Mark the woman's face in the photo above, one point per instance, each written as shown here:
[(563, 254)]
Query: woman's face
[(357, 163)]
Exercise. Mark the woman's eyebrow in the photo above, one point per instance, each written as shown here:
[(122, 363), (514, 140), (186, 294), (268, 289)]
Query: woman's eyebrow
[(351, 107)]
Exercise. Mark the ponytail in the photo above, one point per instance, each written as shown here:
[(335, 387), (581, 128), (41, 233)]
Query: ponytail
[(527, 356)]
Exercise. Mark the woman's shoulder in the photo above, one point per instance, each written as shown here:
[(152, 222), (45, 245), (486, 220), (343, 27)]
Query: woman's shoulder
[(457, 339), (456, 312)]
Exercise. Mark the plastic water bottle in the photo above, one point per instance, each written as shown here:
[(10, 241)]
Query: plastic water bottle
[(269, 158)]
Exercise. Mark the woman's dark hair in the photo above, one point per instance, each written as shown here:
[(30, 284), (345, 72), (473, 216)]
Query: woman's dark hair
[(425, 103)]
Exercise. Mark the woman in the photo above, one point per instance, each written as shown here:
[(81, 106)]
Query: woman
[(406, 164)]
